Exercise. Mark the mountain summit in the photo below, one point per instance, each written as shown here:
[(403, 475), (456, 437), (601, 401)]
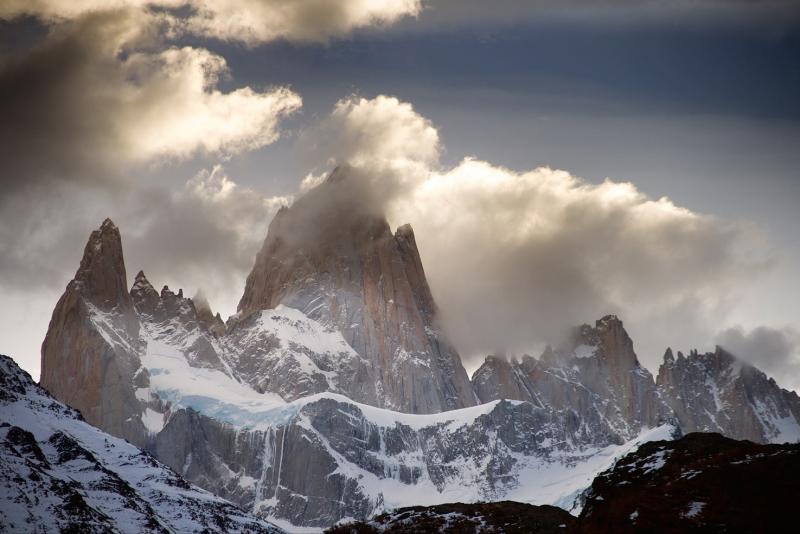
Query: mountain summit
[(88, 355), (339, 264)]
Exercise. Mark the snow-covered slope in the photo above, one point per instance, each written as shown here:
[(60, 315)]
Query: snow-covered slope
[(323, 457), (314, 460), (59, 473)]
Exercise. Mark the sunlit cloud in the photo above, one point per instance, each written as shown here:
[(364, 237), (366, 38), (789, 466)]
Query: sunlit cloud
[(104, 92), (516, 258), (248, 21)]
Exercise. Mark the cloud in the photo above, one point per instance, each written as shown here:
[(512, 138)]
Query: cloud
[(385, 137), (102, 93), (248, 21), (516, 258), (381, 130), (204, 234), (305, 20), (776, 351)]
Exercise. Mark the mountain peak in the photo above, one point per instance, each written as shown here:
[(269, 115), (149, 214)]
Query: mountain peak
[(144, 295), (101, 275), (608, 321), (97, 295), (404, 231), (333, 256)]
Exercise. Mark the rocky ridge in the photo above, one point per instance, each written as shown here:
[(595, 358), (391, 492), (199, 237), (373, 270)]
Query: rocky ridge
[(298, 452), (506, 517), (716, 392), (595, 373), (58, 473)]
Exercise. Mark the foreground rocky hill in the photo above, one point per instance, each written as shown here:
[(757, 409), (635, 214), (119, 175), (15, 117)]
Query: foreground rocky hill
[(701, 482), (59, 474), (507, 517)]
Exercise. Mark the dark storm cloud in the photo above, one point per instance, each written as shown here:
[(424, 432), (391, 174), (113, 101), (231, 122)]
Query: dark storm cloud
[(46, 128), (103, 92), (776, 351), (203, 236)]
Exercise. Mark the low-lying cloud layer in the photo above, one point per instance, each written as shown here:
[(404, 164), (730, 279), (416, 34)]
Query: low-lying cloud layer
[(516, 258)]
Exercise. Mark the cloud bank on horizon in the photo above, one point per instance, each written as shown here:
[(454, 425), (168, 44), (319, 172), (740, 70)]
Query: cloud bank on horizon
[(514, 257)]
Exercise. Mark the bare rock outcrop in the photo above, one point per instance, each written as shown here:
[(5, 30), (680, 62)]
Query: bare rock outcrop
[(716, 392), (89, 354), (595, 373)]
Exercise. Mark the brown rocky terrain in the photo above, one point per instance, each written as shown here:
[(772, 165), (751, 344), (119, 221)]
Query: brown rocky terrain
[(507, 517), (703, 482)]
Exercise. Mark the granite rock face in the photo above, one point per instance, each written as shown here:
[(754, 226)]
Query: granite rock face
[(326, 458), (340, 265), (715, 392), (255, 414), (595, 374), (89, 356)]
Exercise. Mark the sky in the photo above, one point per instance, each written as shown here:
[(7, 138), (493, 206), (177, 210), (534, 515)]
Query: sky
[(558, 161)]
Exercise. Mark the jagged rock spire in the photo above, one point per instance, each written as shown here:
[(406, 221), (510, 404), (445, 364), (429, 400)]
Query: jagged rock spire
[(593, 372), (101, 275), (144, 295), (90, 372)]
